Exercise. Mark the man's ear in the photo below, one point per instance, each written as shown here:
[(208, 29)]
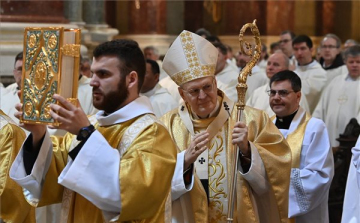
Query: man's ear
[(132, 79), (298, 94), (157, 76), (181, 92)]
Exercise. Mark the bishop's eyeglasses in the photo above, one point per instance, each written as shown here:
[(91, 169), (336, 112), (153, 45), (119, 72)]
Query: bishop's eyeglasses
[(281, 93), (207, 88)]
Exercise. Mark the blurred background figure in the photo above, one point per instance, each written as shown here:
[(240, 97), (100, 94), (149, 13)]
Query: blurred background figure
[(161, 100)]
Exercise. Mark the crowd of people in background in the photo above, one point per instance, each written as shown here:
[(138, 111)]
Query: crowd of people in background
[(300, 98)]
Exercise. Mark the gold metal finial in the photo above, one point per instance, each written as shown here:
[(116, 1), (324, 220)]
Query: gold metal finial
[(254, 53)]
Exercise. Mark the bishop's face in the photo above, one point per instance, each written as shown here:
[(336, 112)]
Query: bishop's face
[(109, 86), (201, 95)]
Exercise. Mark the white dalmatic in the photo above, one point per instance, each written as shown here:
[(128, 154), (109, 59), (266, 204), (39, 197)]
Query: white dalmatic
[(339, 103), (351, 208)]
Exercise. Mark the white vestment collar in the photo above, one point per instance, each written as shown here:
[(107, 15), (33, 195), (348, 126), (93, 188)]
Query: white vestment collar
[(138, 107), (313, 65)]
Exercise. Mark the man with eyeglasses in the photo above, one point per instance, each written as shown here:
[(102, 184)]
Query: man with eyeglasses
[(204, 128), (312, 160), (286, 38), (312, 75), (259, 98), (331, 59), (340, 100)]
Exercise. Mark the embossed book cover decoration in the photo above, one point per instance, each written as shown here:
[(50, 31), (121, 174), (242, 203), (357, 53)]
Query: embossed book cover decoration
[(51, 65)]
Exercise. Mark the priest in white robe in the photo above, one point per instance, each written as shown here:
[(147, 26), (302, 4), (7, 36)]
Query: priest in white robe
[(340, 100), (160, 98), (351, 208), (312, 159), (312, 75), (331, 59), (259, 98), (225, 73)]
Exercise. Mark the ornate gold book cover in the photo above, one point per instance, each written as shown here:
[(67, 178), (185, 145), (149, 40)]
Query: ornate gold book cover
[(51, 66)]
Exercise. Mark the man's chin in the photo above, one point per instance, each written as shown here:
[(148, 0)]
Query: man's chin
[(98, 105)]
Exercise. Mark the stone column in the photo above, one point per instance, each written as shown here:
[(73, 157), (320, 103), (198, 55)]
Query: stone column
[(94, 17), (73, 11)]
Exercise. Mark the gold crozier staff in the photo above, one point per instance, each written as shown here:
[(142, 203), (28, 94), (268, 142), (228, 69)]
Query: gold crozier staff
[(241, 89)]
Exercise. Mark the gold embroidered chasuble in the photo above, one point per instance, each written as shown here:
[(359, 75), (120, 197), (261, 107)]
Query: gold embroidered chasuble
[(272, 148), (13, 206), (146, 170)]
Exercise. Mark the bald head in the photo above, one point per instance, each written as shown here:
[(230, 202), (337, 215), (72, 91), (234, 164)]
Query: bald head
[(276, 62)]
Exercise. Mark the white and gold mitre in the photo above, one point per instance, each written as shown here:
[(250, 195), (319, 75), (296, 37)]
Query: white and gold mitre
[(190, 57)]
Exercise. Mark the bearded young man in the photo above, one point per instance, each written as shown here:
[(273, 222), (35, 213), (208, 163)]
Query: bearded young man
[(112, 166), (204, 128)]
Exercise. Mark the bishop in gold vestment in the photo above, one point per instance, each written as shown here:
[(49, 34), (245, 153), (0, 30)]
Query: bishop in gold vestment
[(263, 175), (13, 206)]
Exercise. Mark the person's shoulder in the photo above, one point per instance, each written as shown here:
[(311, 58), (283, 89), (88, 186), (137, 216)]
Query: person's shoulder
[(8, 125), (316, 124), (252, 109), (169, 116), (336, 80), (255, 113), (316, 66)]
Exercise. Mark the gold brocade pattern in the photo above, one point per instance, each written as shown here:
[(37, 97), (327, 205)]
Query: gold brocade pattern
[(274, 153), (14, 207), (218, 192), (146, 168), (195, 69)]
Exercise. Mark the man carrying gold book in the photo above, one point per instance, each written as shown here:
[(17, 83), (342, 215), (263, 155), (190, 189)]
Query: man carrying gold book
[(205, 130), (115, 166)]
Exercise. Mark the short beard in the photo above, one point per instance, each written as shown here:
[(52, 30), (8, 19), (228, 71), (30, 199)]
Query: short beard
[(114, 99)]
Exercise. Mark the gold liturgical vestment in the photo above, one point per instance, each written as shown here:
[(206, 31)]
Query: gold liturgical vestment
[(13, 206), (146, 170), (272, 148)]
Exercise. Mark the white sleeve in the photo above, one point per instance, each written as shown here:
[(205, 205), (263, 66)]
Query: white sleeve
[(309, 184), (356, 160), (256, 176), (178, 186), (95, 174), (33, 183)]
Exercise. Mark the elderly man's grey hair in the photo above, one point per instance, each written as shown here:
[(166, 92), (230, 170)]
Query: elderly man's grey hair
[(352, 51), (333, 36)]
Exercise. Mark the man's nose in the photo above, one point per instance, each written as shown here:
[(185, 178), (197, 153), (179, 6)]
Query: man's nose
[(202, 94)]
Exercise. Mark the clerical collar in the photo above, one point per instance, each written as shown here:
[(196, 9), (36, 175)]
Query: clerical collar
[(284, 122)]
